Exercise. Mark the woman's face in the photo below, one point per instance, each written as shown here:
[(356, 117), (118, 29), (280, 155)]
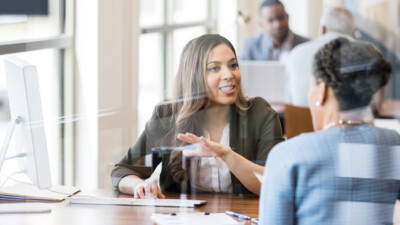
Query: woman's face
[(223, 76)]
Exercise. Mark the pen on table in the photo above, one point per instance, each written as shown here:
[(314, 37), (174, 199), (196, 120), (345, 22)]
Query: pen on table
[(237, 215)]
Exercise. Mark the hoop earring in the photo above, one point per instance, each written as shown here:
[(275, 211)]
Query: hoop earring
[(318, 103)]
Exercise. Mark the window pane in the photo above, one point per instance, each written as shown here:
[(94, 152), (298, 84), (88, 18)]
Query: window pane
[(14, 28), (180, 38), (151, 12), (150, 75), (46, 62), (185, 11)]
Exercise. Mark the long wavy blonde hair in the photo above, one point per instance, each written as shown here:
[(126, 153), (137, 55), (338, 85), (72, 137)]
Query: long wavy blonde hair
[(191, 95)]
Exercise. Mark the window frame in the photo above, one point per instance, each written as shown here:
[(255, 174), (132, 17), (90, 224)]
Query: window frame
[(167, 29)]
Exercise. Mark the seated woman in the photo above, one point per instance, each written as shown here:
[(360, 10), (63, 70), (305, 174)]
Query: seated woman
[(232, 134), (305, 179)]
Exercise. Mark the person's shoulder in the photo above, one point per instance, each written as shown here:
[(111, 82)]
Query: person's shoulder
[(297, 39), (300, 49), (163, 109), (260, 105), (309, 139), (390, 136), (304, 50), (161, 116), (256, 38), (298, 149)]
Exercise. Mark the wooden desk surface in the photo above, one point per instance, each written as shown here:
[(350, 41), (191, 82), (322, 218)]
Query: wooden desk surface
[(70, 214)]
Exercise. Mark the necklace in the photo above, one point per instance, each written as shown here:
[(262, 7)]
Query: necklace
[(343, 122)]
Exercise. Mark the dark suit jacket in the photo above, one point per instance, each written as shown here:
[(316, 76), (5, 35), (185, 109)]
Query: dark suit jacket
[(252, 134)]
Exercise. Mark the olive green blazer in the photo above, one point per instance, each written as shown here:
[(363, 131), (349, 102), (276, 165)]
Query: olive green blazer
[(253, 133)]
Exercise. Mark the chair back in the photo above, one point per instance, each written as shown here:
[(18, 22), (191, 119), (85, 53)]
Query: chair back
[(297, 120)]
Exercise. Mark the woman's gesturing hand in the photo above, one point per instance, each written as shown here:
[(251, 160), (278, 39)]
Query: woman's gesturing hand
[(203, 147)]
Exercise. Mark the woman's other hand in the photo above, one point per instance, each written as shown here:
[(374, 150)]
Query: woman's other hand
[(147, 190)]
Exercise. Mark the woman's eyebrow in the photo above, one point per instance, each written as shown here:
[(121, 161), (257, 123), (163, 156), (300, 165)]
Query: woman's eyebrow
[(233, 59), (216, 62)]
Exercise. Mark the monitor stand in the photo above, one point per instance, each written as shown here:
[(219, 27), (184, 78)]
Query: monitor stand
[(28, 207), (7, 139)]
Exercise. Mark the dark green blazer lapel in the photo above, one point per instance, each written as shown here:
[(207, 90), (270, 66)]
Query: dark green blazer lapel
[(237, 131)]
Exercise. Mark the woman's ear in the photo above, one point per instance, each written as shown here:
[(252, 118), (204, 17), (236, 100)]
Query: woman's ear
[(322, 92)]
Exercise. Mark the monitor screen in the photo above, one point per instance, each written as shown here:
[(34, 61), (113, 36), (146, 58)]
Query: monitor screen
[(24, 7)]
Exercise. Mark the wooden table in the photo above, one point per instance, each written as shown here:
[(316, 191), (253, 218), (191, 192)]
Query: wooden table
[(70, 214)]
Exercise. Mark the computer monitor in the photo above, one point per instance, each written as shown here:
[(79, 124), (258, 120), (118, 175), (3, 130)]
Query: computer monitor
[(265, 79), (26, 124)]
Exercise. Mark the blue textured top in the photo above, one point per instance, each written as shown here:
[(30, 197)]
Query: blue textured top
[(301, 184)]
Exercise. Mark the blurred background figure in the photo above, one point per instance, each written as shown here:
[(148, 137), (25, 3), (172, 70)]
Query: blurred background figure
[(335, 22), (276, 41), (377, 22)]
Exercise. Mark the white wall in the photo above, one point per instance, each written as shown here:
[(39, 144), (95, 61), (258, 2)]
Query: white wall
[(106, 87), (249, 7)]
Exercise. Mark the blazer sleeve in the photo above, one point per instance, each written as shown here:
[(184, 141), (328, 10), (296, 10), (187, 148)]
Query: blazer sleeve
[(153, 136), (125, 166)]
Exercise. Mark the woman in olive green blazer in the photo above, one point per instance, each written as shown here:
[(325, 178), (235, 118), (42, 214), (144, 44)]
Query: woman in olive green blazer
[(208, 101)]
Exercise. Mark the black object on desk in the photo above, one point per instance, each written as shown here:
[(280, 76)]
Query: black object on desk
[(157, 155)]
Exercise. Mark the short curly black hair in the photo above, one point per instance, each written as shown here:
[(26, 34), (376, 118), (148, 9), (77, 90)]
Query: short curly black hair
[(268, 3), (354, 70)]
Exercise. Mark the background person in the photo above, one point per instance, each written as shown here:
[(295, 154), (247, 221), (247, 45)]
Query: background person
[(232, 134), (300, 183), (336, 22), (276, 41)]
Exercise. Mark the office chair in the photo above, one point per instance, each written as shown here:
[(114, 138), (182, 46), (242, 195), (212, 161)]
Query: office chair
[(297, 120)]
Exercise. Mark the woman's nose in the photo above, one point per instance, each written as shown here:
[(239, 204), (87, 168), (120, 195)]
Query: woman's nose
[(227, 74)]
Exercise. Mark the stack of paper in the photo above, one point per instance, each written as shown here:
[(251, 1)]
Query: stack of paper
[(23, 191)]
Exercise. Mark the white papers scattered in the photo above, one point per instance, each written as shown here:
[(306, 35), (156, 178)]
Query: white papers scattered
[(194, 219)]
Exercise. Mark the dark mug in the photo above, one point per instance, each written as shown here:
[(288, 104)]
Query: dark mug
[(157, 155)]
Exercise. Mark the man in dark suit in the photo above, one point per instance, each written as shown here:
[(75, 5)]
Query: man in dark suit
[(277, 40)]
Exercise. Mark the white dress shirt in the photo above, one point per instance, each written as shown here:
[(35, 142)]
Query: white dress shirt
[(281, 54), (208, 174)]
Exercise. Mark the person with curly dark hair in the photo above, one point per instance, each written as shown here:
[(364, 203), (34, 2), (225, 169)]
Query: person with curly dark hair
[(304, 181)]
